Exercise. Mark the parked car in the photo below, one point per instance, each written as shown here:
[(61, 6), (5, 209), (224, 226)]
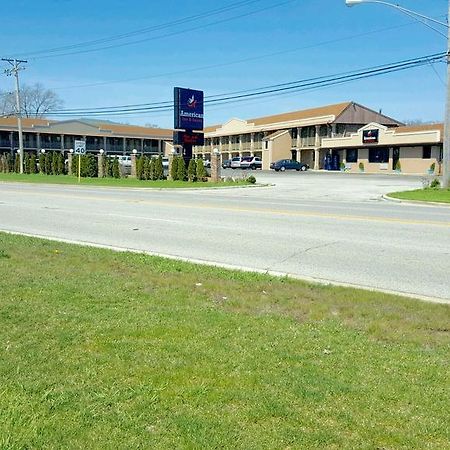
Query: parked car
[(236, 162), (226, 164), (288, 164), (207, 163), (251, 162)]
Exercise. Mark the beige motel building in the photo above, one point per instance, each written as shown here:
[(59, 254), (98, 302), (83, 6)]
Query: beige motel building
[(344, 131), (112, 138)]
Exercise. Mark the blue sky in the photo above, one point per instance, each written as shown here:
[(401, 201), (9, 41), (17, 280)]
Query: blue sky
[(286, 42)]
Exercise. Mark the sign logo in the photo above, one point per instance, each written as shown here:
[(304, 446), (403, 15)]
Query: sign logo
[(188, 109), (192, 103), (370, 136)]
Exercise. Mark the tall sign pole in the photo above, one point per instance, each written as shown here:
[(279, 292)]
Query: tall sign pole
[(188, 119), (14, 70), (446, 150)]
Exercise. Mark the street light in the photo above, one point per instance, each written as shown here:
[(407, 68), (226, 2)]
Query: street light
[(423, 19)]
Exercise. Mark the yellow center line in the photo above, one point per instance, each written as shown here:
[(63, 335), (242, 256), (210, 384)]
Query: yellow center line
[(311, 214)]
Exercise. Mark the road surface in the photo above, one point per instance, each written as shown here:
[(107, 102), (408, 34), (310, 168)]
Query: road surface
[(327, 227)]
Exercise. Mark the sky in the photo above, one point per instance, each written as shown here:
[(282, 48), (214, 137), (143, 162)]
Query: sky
[(259, 43)]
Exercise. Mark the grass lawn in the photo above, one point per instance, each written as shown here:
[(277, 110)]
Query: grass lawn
[(426, 195), (112, 182), (117, 350)]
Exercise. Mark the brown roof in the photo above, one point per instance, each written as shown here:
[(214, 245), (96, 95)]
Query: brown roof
[(27, 123), (117, 129), (329, 110), (415, 128)]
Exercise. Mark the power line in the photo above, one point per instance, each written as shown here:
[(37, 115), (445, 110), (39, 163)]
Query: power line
[(239, 61), (292, 86), (174, 33), (145, 30)]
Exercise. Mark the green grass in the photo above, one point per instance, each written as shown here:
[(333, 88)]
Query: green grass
[(111, 182), (117, 350), (424, 195)]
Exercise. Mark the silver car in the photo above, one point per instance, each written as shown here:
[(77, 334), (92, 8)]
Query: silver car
[(236, 162)]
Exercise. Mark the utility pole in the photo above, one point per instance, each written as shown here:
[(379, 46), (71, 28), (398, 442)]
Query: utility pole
[(14, 70), (446, 150)]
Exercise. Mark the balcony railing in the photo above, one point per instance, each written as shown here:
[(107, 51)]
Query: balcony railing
[(51, 145), (5, 143)]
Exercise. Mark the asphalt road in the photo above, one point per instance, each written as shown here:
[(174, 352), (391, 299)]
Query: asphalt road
[(327, 227)]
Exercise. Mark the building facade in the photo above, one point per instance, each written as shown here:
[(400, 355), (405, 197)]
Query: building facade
[(376, 148), (42, 134), (297, 135)]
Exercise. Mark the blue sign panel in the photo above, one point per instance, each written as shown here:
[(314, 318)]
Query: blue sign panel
[(188, 109)]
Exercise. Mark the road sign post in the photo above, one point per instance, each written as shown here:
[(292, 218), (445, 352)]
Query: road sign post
[(79, 149)]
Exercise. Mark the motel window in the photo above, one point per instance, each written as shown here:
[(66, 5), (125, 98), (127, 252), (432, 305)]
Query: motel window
[(378, 155), (426, 153), (352, 155)]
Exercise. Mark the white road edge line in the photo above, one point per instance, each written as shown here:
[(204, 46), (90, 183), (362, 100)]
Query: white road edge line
[(202, 262)]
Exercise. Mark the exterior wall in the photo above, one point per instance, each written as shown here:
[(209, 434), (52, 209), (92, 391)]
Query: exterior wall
[(412, 162), (281, 147)]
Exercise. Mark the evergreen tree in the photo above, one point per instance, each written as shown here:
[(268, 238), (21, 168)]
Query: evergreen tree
[(181, 169), (17, 164), (116, 168), (192, 170), (139, 162), (41, 163), (153, 168), (55, 168), (201, 171), (174, 169), (32, 163), (48, 163), (159, 168), (26, 163)]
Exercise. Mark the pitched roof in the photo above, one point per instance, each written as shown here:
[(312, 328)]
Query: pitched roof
[(416, 128), (328, 110), (117, 129)]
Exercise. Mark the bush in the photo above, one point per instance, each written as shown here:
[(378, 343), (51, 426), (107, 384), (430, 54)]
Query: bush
[(41, 163), (433, 167), (435, 184), (201, 171), (33, 168), (192, 170), (159, 168), (17, 163), (174, 169), (398, 166), (26, 163), (139, 167), (181, 169), (361, 166), (251, 179), (116, 168)]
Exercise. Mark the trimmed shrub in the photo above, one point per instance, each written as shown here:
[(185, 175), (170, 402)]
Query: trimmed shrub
[(41, 163), (17, 163), (192, 170), (139, 169), (251, 179), (398, 166), (116, 168), (181, 169), (201, 171), (174, 168), (26, 163), (33, 168), (55, 163), (435, 184), (159, 169), (361, 166)]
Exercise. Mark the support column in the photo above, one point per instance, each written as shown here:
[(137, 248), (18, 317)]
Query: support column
[(11, 142), (124, 146), (299, 134), (38, 142), (62, 143), (104, 143), (101, 165), (133, 165), (69, 163), (317, 148), (252, 142), (142, 146), (333, 130), (215, 167)]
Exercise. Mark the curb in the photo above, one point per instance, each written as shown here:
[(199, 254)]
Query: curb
[(415, 202)]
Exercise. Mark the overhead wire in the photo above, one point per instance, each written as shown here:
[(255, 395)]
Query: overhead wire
[(257, 92)]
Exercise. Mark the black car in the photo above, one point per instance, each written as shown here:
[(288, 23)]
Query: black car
[(226, 164), (288, 164)]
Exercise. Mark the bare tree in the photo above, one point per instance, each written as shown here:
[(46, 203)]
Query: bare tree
[(36, 101)]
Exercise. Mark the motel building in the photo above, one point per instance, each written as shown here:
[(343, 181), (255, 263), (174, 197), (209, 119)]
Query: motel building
[(380, 149), (296, 135), (112, 138), (329, 137)]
